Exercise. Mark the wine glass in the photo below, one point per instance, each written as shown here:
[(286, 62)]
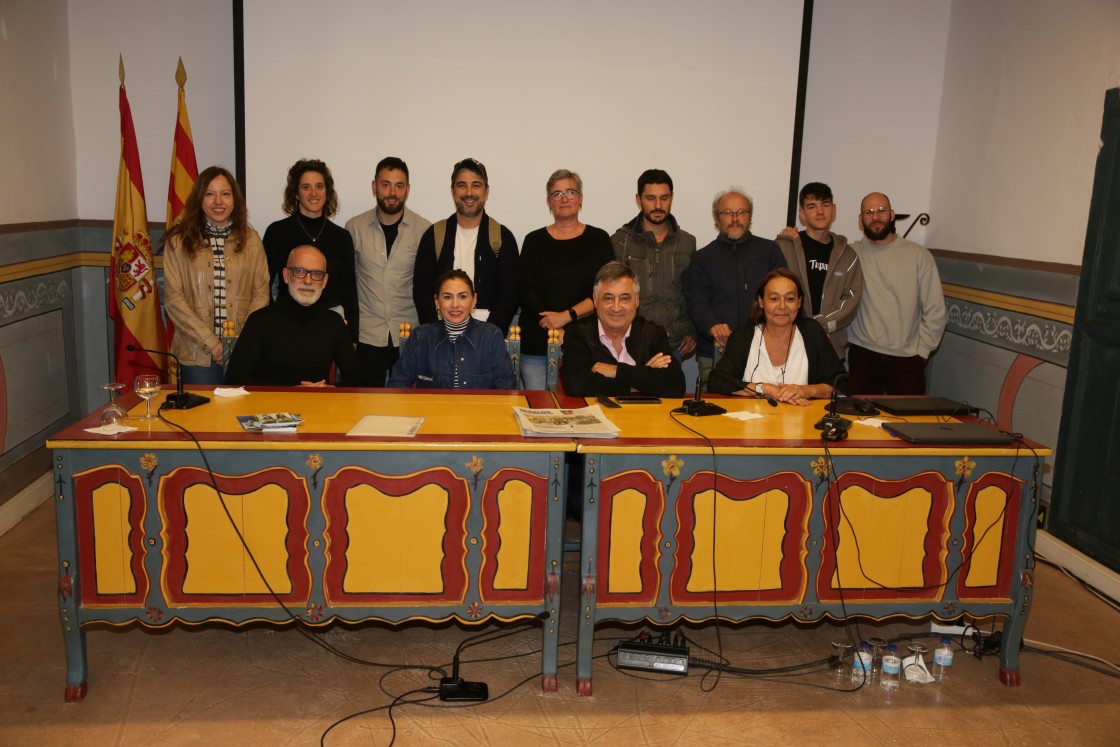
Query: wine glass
[(147, 386), (113, 412), (840, 669)]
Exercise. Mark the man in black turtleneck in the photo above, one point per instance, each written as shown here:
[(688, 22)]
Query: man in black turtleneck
[(723, 277), (294, 341)]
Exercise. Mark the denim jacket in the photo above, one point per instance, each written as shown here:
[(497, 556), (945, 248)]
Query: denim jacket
[(430, 360)]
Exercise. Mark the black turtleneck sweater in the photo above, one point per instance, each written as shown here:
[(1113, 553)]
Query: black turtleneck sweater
[(336, 244), (285, 343)]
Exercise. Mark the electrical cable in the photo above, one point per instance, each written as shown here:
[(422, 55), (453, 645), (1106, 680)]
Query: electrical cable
[(715, 577), (1115, 604), (300, 624), (1064, 650)]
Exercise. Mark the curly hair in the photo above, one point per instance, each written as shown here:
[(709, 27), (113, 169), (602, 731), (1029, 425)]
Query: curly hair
[(291, 191), (189, 229)]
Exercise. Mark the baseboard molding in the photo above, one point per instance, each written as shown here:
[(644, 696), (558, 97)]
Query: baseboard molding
[(24, 502), (1077, 563)]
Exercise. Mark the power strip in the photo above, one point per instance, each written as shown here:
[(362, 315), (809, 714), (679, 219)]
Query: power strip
[(650, 657), (948, 628)]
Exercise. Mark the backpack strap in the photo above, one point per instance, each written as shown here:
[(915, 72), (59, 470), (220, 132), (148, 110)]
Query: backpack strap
[(440, 233), (440, 229)]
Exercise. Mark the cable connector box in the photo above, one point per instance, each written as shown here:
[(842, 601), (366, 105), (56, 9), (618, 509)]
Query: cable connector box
[(457, 690), (650, 657)]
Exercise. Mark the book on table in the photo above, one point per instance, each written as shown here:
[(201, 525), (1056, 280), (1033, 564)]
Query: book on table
[(270, 421)]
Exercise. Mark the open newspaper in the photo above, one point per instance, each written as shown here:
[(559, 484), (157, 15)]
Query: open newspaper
[(586, 422)]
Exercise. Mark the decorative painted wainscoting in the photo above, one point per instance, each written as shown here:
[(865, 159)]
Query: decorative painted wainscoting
[(1007, 343)]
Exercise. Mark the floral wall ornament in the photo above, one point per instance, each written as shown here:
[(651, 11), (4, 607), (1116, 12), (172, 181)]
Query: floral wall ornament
[(822, 467), (964, 470), (314, 612), (475, 610), (155, 614), (672, 468), (315, 463), (475, 466), (149, 462)]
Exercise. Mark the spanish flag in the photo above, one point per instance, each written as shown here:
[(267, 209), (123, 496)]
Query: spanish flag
[(184, 168), (134, 294)]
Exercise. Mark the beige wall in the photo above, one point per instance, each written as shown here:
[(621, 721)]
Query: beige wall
[(151, 35), (36, 119), (872, 102), (1020, 125)]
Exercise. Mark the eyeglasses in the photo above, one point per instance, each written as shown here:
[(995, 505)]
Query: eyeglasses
[(299, 273), (560, 194), (872, 212), (734, 213)]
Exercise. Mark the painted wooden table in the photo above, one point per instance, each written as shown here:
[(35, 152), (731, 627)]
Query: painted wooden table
[(764, 524), (463, 521)]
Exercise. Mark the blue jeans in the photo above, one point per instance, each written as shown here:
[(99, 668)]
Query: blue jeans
[(212, 375), (534, 371)]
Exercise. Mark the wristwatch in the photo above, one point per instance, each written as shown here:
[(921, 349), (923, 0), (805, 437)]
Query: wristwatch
[(572, 313), (758, 390)]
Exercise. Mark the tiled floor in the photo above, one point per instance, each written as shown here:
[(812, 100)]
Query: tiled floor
[(268, 686)]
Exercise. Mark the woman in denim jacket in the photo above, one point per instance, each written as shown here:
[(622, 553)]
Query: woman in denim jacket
[(456, 352)]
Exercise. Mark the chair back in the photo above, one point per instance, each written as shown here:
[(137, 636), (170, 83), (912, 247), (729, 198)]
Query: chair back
[(513, 347), (554, 353)]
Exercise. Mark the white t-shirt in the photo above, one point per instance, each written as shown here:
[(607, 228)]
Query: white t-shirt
[(465, 241)]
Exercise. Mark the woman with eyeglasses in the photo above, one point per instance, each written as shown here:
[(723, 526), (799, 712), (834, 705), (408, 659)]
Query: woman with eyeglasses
[(456, 351), (778, 353), (558, 266), (214, 272)]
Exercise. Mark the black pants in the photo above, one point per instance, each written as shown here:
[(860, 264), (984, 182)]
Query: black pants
[(376, 363), (878, 373)]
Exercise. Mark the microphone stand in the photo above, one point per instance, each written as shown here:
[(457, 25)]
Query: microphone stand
[(832, 423), (180, 400), (697, 407)]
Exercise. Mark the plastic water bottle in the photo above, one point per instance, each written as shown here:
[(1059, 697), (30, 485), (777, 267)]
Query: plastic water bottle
[(892, 669), (861, 664), (943, 660)]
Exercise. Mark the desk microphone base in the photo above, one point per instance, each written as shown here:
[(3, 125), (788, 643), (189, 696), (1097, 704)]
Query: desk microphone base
[(700, 408)]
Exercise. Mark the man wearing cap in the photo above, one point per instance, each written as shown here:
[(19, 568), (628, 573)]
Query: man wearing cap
[(472, 241)]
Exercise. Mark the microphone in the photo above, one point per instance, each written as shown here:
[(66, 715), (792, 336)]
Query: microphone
[(848, 405), (696, 407), (832, 423), (454, 688), (180, 400), (728, 378)]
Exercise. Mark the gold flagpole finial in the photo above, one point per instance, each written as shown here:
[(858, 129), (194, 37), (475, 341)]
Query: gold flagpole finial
[(120, 59), (181, 74)]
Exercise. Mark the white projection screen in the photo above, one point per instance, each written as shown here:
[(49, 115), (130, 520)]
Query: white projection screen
[(705, 90)]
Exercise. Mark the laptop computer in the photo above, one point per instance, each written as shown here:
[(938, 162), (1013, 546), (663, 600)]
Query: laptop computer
[(948, 433), (921, 406)]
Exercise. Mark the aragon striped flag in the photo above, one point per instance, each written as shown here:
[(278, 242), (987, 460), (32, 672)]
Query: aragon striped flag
[(184, 168), (134, 293)]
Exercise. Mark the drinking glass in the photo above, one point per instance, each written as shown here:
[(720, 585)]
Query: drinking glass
[(918, 651), (841, 669), (113, 412), (878, 646), (147, 386)]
